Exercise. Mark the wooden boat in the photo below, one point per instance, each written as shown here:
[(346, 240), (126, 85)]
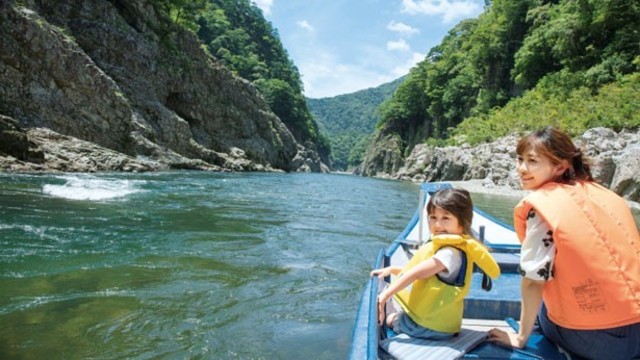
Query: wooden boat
[(483, 310)]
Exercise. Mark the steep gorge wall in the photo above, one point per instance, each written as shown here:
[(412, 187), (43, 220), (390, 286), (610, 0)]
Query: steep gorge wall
[(116, 75)]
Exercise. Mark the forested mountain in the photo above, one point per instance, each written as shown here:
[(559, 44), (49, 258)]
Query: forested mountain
[(142, 85), (236, 32), (349, 120), (519, 65)]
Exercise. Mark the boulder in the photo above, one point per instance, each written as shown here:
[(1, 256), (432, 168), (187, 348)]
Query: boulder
[(15, 143), (626, 179)]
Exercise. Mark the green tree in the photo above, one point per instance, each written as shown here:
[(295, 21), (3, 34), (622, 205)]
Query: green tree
[(347, 119), (182, 12), (519, 65), (236, 33)]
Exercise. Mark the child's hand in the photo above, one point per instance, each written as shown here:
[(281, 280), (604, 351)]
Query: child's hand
[(381, 311), (381, 273), (382, 302)]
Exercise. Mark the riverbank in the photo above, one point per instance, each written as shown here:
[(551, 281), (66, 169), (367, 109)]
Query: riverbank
[(614, 158)]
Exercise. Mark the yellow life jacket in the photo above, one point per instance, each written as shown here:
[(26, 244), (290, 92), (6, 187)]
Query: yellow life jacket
[(596, 282), (430, 302)]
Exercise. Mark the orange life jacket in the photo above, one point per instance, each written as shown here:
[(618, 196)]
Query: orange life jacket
[(596, 282)]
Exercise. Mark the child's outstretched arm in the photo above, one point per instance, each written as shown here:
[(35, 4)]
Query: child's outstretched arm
[(425, 269)]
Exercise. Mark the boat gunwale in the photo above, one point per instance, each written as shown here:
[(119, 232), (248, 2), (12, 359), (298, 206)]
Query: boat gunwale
[(371, 289)]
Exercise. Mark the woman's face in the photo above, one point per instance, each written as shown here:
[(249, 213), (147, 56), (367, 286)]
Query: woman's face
[(536, 170), (443, 222)]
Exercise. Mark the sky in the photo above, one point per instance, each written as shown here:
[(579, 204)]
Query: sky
[(342, 46)]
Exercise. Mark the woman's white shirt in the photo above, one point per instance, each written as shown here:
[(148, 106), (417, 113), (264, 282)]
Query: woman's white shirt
[(538, 251)]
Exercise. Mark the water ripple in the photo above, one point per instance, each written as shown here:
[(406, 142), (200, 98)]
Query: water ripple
[(189, 264)]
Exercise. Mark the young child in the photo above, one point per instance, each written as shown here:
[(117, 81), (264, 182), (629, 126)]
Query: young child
[(579, 258), (432, 307)]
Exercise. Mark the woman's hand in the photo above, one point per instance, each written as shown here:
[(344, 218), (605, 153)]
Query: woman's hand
[(509, 339)]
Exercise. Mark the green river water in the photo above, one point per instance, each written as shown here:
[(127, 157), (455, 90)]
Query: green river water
[(192, 265)]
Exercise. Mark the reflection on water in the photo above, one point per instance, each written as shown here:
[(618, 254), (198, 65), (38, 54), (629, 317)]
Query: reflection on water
[(192, 264)]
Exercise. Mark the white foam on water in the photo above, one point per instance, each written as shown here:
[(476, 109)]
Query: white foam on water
[(92, 188)]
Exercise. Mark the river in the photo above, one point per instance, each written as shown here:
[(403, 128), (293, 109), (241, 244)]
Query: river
[(192, 265)]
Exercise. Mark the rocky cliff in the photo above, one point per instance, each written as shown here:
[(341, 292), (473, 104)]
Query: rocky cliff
[(111, 85), (614, 157)]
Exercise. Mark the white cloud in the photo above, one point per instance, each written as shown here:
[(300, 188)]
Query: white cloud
[(399, 45), (411, 62), (264, 5), (305, 25), (325, 76), (402, 28), (451, 10)]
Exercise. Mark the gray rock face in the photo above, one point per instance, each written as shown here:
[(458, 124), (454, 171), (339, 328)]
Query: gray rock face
[(494, 162), (113, 74), (384, 156), (626, 179), (614, 157), (15, 143)]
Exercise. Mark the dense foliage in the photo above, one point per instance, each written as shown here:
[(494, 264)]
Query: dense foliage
[(520, 65), (615, 105), (236, 33), (348, 120)]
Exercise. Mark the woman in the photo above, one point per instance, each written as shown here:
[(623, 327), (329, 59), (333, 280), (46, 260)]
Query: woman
[(580, 255)]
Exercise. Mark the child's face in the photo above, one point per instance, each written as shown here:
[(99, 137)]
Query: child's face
[(443, 222), (536, 170)]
